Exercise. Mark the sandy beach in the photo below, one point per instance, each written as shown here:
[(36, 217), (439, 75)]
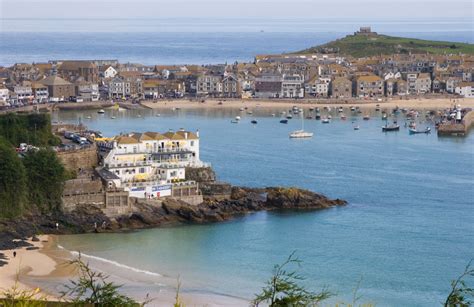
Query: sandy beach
[(418, 103), (44, 267)]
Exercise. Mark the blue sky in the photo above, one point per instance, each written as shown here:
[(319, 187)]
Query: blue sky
[(371, 9)]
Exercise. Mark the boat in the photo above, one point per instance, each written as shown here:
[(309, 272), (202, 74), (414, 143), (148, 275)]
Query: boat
[(343, 117), (392, 127), (112, 117), (366, 117), (237, 118), (158, 115), (318, 116), (356, 127), (311, 109), (284, 121), (253, 121), (289, 116), (325, 121), (234, 121), (301, 134), (101, 111), (309, 117), (384, 116), (377, 109), (414, 131), (329, 117), (273, 114), (340, 110), (242, 109), (353, 109), (249, 112)]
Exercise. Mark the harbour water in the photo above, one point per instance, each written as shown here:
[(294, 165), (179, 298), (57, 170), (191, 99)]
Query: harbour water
[(406, 233)]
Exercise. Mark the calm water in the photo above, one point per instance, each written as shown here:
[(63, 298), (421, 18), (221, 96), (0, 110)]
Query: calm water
[(407, 231), (194, 40)]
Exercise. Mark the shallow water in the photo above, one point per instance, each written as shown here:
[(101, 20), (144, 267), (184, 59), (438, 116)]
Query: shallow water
[(407, 231)]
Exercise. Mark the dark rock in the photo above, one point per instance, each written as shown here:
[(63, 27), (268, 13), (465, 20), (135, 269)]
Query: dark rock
[(32, 248)]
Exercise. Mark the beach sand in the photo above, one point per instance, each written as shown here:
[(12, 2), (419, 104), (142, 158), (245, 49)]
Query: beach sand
[(418, 103), (46, 269)]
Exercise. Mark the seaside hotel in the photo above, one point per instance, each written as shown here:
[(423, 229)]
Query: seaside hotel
[(151, 164)]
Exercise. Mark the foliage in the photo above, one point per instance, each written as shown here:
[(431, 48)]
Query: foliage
[(12, 182), (16, 297), (361, 46), (461, 294), (45, 178), (283, 288), (34, 129), (177, 300), (93, 288)]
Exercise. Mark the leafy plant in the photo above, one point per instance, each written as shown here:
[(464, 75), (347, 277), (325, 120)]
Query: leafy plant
[(461, 294), (94, 288), (283, 288), (17, 297), (177, 300)]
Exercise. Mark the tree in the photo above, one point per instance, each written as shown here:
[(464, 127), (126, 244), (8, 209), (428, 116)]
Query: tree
[(45, 177), (461, 295), (12, 182), (93, 288), (283, 290)]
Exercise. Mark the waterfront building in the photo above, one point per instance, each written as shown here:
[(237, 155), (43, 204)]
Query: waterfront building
[(152, 164), (4, 95), (87, 91), (119, 88), (268, 86), (24, 93), (369, 86), (465, 89), (71, 70), (230, 86), (58, 88), (208, 84), (317, 87), (341, 87), (40, 92), (423, 83)]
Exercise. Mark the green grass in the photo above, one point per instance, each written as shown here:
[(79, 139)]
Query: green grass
[(361, 46)]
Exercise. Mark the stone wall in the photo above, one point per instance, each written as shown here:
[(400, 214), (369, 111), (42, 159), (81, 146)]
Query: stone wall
[(460, 128), (74, 160), (200, 174)]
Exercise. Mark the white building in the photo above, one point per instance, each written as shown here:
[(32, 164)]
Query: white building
[(4, 95), (110, 72), (24, 93), (119, 88), (465, 89), (152, 164), (292, 86)]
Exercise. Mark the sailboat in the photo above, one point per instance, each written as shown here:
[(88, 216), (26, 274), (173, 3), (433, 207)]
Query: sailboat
[(301, 134)]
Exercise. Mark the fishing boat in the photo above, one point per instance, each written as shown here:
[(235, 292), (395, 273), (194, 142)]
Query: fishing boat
[(414, 131), (253, 121), (289, 116), (318, 116), (284, 121), (249, 112), (340, 110), (366, 117), (325, 120), (101, 111), (237, 118), (353, 109), (301, 134), (392, 127), (343, 117), (356, 127), (242, 109)]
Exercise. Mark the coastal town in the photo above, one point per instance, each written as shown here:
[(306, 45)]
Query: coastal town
[(323, 75)]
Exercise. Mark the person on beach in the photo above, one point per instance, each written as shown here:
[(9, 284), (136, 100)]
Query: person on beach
[(14, 254)]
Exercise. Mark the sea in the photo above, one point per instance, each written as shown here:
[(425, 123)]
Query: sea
[(406, 232), (196, 40)]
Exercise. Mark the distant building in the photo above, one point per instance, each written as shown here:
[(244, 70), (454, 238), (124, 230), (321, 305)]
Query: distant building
[(58, 88), (423, 83), (365, 31), (341, 87), (465, 89), (87, 91), (268, 86), (40, 92), (4, 95), (369, 86), (72, 70), (208, 84)]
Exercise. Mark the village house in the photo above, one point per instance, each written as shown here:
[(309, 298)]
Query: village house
[(230, 86), (268, 86), (119, 88), (87, 91), (292, 86), (341, 87), (411, 82), (423, 83), (369, 86), (58, 88), (317, 87), (24, 93), (452, 83), (4, 95), (465, 89), (209, 85), (40, 92)]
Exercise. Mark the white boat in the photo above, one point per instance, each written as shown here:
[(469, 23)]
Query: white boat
[(237, 118), (112, 117), (301, 134), (101, 111), (242, 109)]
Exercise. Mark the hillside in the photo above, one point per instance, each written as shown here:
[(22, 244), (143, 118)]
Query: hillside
[(376, 44)]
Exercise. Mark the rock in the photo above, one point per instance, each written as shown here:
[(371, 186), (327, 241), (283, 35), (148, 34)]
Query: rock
[(35, 239), (200, 174)]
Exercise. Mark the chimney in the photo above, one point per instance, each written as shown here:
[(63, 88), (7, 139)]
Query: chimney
[(197, 133), (186, 135)]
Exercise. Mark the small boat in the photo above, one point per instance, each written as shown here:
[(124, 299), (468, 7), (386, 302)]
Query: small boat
[(340, 110), (242, 109), (273, 114), (377, 109), (343, 117), (366, 117), (112, 117), (309, 117), (254, 121), (353, 109), (88, 117), (414, 131), (101, 111), (301, 134), (249, 112), (325, 121), (318, 116), (234, 121), (284, 121), (158, 115), (356, 127), (289, 116), (237, 118), (329, 117), (393, 127), (311, 109)]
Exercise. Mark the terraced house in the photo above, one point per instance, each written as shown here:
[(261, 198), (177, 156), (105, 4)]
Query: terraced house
[(151, 164), (369, 86)]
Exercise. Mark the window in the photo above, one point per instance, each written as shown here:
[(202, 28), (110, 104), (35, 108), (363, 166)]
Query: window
[(142, 170)]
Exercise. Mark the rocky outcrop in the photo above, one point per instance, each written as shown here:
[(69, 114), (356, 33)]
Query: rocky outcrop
[(200, 174), (90, 218)]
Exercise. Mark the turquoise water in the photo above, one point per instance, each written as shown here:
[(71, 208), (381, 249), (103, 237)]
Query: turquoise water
[(407, 231)]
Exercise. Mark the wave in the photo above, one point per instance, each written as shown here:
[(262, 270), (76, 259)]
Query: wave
[(115, 263)]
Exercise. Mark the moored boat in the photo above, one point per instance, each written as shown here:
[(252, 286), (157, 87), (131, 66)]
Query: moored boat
[(284, 121), (392, 127), (254, 121), (414, 131), (101, 111)]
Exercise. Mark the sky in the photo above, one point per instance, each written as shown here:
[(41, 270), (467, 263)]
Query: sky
[(369, 9)]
